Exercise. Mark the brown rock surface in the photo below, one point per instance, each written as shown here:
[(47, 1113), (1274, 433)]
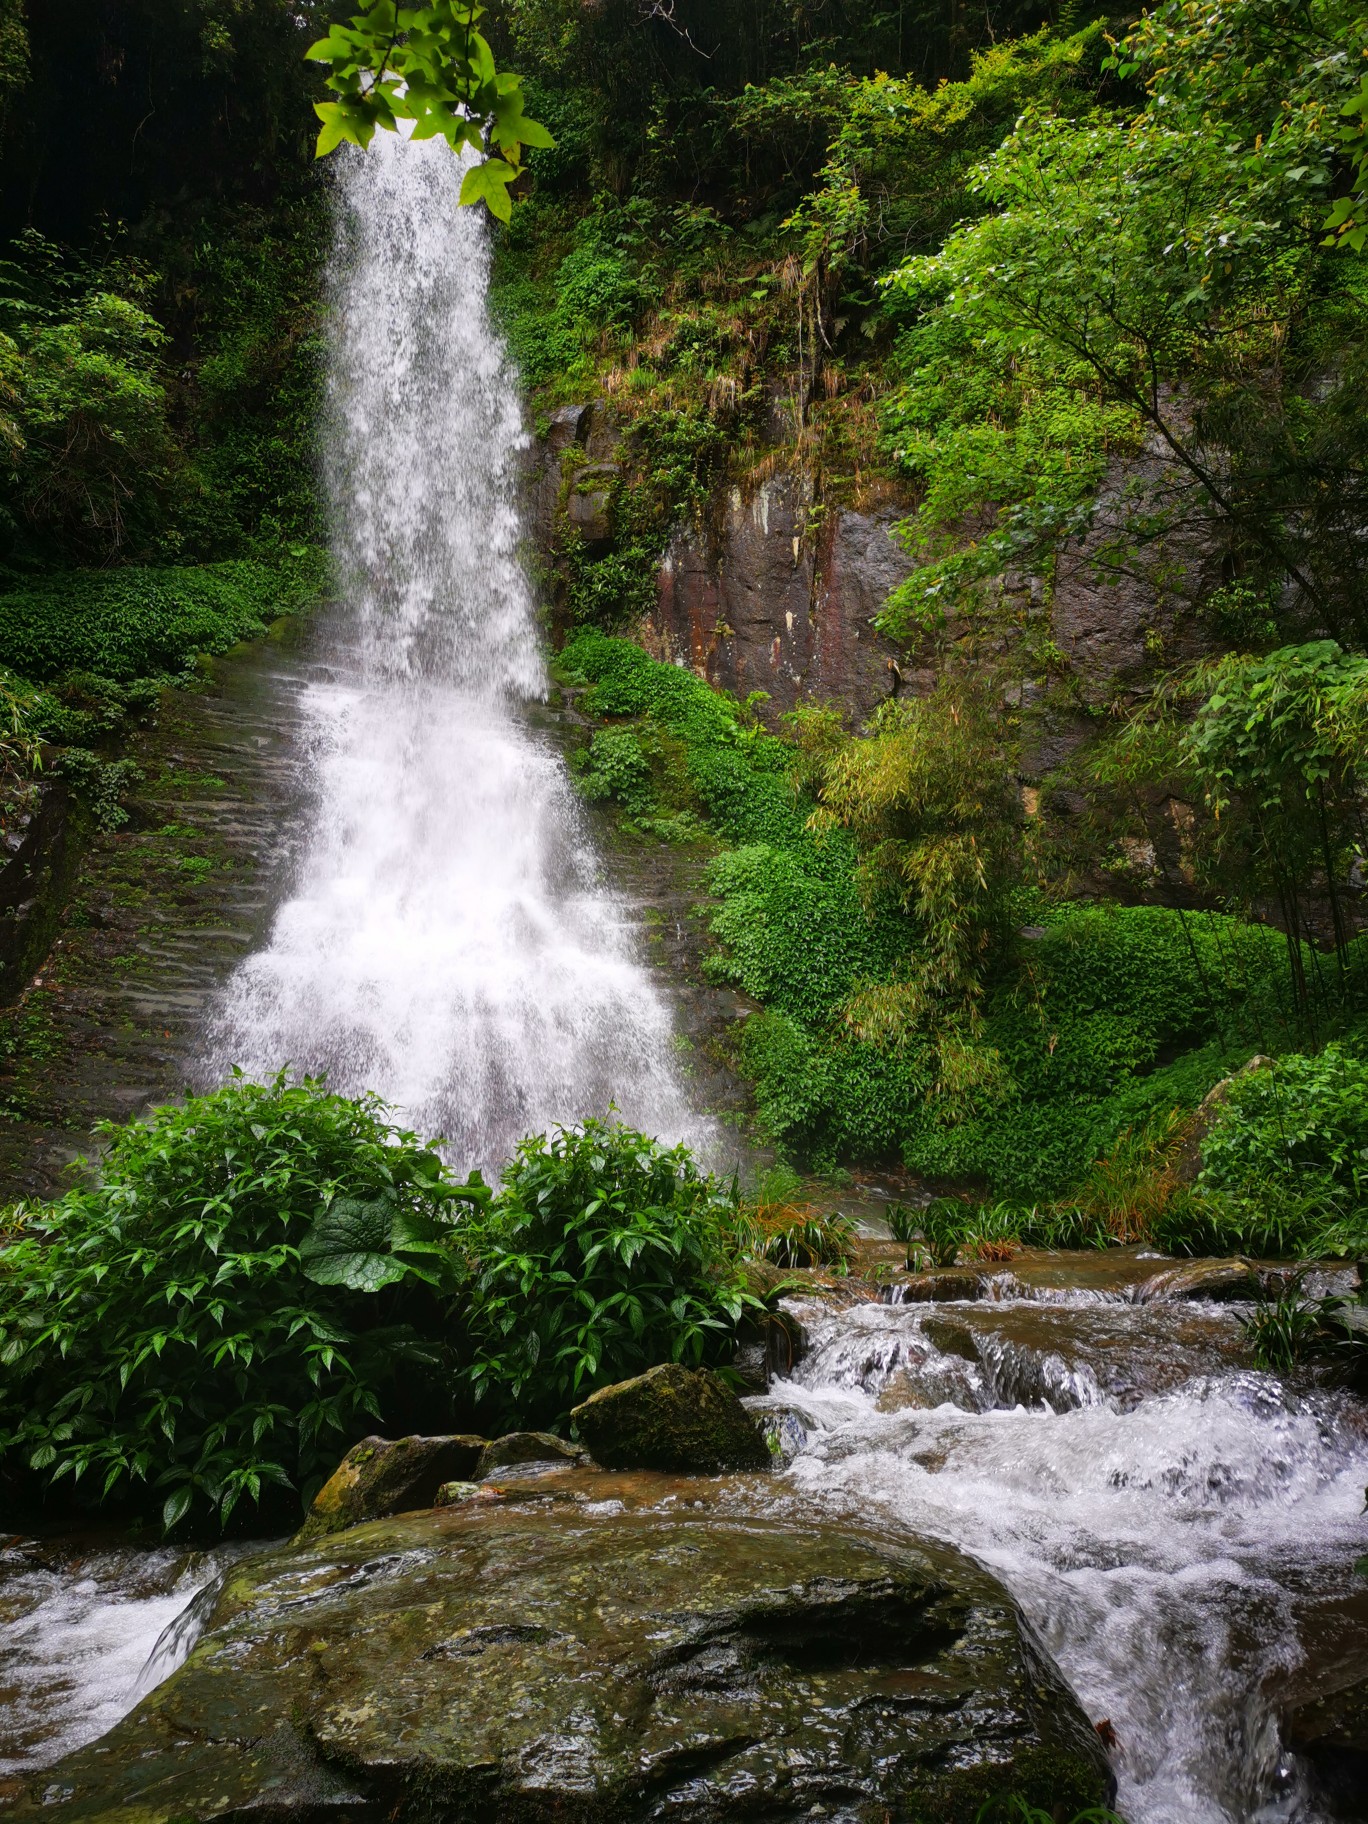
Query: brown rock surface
[(382, 1476)]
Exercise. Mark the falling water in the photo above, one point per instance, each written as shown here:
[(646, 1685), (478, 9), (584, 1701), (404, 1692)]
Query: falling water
[(445, 940)]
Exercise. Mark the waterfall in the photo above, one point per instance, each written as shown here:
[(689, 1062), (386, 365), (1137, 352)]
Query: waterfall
[(444, 940)]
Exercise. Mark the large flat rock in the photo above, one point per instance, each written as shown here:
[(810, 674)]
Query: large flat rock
[(597, 1647)]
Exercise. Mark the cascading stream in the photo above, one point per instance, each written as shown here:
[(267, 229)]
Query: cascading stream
[(445, 940), (1169, 1544)]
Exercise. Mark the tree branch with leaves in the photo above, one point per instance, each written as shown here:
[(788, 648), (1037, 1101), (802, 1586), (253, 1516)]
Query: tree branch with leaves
[(432, 67)]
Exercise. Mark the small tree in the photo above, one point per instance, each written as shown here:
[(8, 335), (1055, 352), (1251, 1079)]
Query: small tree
[(928, 796)]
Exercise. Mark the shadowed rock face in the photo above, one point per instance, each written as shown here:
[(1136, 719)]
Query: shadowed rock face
[(621, 1651), (1329, 1734)]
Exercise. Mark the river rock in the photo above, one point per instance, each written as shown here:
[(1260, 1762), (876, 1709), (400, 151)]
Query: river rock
[(682, 1419), (1066, 1356), (1329, 1735), (1221, 1280), (936, 1285), (382, 1476), (623, 1658), (523, 1447)]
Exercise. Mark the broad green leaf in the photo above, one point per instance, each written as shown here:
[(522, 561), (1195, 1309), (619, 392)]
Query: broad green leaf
[(488, 183), (350, 1245), (176, 1507)]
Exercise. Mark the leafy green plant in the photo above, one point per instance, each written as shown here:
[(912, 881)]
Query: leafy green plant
[(603, 1254), (792, 1235), (431, 66), (614, 767), (251, 1280), (1285, 1327), (1300, 1122)]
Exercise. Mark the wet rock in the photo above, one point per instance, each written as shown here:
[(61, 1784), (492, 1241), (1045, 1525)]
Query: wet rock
[(1066, 1356), (671, 1418), (523, 1447), (937, 1286), (951, 1338), (1329, 1735), (382, 1476), (588, 505), (786, 1431), (1219, 1280), (1187, 1160), (622, 1658), (451, 1494)]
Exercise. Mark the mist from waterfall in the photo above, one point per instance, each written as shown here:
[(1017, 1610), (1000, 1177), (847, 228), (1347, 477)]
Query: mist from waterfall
[(445, 939)]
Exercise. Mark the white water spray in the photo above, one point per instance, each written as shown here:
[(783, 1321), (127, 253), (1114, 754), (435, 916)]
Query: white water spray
[(445, 942), (1168, 1547)]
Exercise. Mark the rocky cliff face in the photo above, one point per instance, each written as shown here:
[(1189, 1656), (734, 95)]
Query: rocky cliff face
[(770, 592), (775, 590), (759, 601)]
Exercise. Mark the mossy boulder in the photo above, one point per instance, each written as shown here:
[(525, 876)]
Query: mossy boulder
[(381, 1476), (682, 1419), (523, 1447), (612, 1657)]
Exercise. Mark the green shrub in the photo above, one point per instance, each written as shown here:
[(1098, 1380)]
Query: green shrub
[(614, 767), (138, 622), (1299, 1124), (603, 1254), (254, 1279)]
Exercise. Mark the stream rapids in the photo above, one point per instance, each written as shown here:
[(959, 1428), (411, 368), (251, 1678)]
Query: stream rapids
[(1180, 1529)]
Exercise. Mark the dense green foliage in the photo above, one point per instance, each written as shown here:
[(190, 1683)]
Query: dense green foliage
[(1151, 279), (1087, 1024), (603, 1254), (161, 245), (164, 1336), (138, 622), (255, 1279), (1289, 1151)]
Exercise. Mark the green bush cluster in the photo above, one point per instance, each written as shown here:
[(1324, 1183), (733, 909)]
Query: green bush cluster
[(1301, 1119), (602, 1254), (257, 1278), (1285, 1164), (1095, 1021), (144, 621), (160, 1333)]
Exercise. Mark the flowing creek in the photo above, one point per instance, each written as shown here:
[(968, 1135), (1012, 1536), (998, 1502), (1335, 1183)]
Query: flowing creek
[(1180, 1529)]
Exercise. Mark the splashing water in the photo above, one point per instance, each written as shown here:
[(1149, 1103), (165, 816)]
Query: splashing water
[(84, 1637), (1167, 1548), (446, 941)]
